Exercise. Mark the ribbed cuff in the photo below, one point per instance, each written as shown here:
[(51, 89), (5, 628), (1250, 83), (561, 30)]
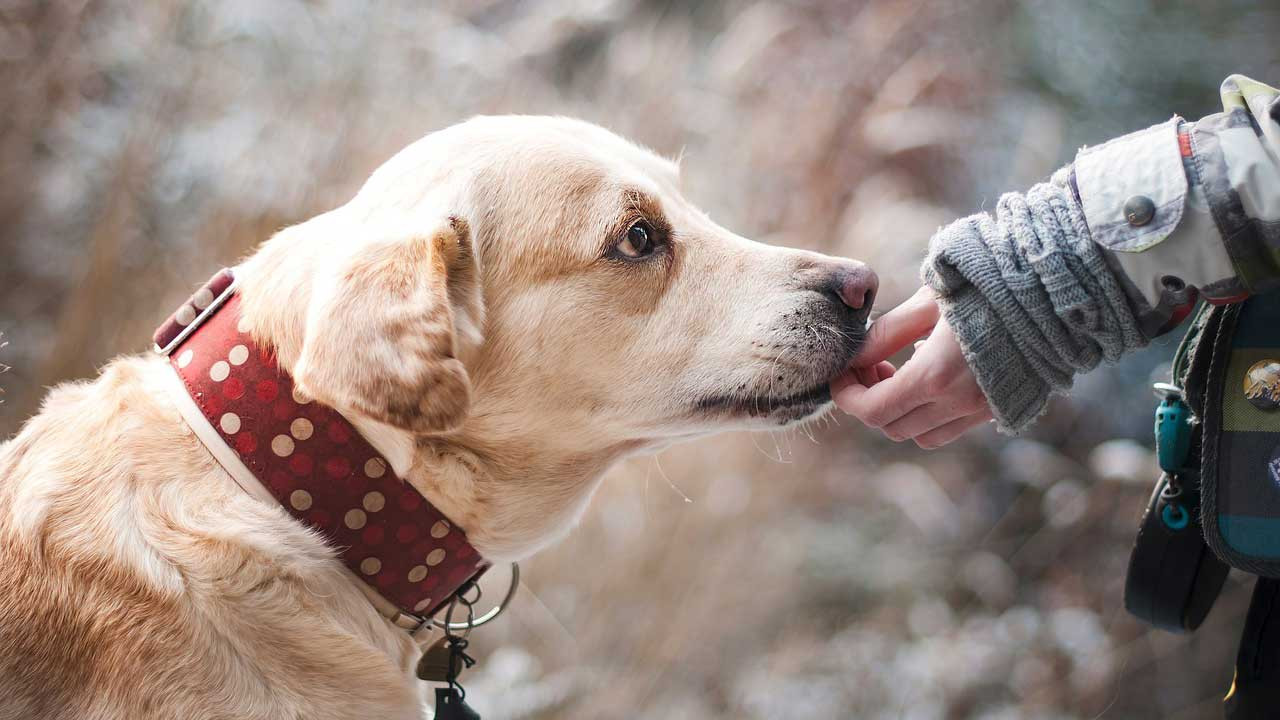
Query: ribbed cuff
[(1015, 392)]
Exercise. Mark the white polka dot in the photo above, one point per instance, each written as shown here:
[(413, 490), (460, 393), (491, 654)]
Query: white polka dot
[(435, 557), (243, 325), (238, 355), (417, 573), (300, 499), (185, 315), (220, 371), (440, 529), (202, 299), (375, 467), (230, 423), (301, 428), (370, 566), (185, 358), (423, 605), (298, 397), (374, 501), (355, 519), (282, 445)]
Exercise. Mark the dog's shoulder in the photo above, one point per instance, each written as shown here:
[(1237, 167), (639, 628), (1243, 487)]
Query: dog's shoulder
[(134, 573), (67, 599)]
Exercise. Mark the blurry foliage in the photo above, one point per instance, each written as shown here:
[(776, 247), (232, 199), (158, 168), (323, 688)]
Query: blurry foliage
[(821, 573)]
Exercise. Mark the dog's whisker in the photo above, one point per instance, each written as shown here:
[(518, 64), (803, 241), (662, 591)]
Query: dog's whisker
[(808, 432), (670, 484), (837, 332), (759, 449), (778, 448)]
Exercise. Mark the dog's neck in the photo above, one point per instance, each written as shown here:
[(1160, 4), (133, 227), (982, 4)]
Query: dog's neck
[(512, 488), (281, 446), (509, 509)]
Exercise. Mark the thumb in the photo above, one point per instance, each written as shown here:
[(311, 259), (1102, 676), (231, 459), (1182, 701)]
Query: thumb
[(899, 327)]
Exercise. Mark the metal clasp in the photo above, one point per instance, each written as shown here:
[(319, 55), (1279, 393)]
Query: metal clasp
[(489, 616)]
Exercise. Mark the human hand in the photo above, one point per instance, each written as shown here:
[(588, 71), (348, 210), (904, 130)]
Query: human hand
[(933, 398)]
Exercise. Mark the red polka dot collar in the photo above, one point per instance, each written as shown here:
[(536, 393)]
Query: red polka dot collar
[(284, 448)]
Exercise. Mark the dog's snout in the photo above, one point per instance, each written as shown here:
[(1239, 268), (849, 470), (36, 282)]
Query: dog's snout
[(855, 285)]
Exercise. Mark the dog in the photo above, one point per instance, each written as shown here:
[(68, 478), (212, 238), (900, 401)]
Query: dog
[(506, 308)]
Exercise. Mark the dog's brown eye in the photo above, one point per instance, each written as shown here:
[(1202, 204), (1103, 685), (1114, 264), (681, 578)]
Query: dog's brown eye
[(639, 240)]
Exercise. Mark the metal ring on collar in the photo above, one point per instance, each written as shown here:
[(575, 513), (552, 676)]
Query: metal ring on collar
[(489, 616)]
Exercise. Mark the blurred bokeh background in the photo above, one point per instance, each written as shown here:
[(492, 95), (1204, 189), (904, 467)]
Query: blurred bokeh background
[(820, 573)]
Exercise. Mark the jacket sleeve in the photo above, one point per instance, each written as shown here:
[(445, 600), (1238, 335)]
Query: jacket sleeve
[(1113, 250), (1032, 299), (1190, 205)]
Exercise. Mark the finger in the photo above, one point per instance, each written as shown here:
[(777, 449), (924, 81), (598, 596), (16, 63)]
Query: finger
[(885, 370), (881, 404), (951, 431), (927, 417), (899, 327), (865, 376), (852, 376), (873, 374)]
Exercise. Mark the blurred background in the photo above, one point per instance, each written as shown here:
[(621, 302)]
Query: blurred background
[(819, 573)]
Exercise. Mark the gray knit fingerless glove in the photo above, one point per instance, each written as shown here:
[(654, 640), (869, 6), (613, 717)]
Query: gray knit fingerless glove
[(1031, 299)]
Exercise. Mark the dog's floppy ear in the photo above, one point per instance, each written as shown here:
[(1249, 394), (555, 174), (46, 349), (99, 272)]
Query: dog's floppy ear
[(383, 328)]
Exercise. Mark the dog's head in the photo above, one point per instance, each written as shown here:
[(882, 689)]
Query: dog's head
[(542, 284)]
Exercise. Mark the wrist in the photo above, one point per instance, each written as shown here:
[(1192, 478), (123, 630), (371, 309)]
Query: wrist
[(1014, 391)]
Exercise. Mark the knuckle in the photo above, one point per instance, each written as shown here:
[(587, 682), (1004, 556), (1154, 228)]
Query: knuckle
[(850, 404), (874, 419)]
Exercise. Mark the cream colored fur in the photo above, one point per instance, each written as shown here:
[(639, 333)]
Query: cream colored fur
[(467, 311)]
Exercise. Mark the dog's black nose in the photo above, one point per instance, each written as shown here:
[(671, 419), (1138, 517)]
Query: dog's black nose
[(855, 284)]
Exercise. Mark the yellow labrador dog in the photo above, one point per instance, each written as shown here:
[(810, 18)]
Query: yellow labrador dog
[(506, 308)]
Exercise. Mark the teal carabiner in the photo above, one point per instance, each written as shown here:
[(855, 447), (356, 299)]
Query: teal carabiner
[(1173, 430)]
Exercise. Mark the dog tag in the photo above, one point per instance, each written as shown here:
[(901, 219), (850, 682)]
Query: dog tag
[(436, 662), (451, 706)]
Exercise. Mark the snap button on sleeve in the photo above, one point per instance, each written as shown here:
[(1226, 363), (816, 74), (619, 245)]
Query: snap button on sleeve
[(1134, 188), (1138, 210)]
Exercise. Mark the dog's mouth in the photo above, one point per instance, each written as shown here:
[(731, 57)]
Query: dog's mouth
[(784, 408), (790, 385)]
